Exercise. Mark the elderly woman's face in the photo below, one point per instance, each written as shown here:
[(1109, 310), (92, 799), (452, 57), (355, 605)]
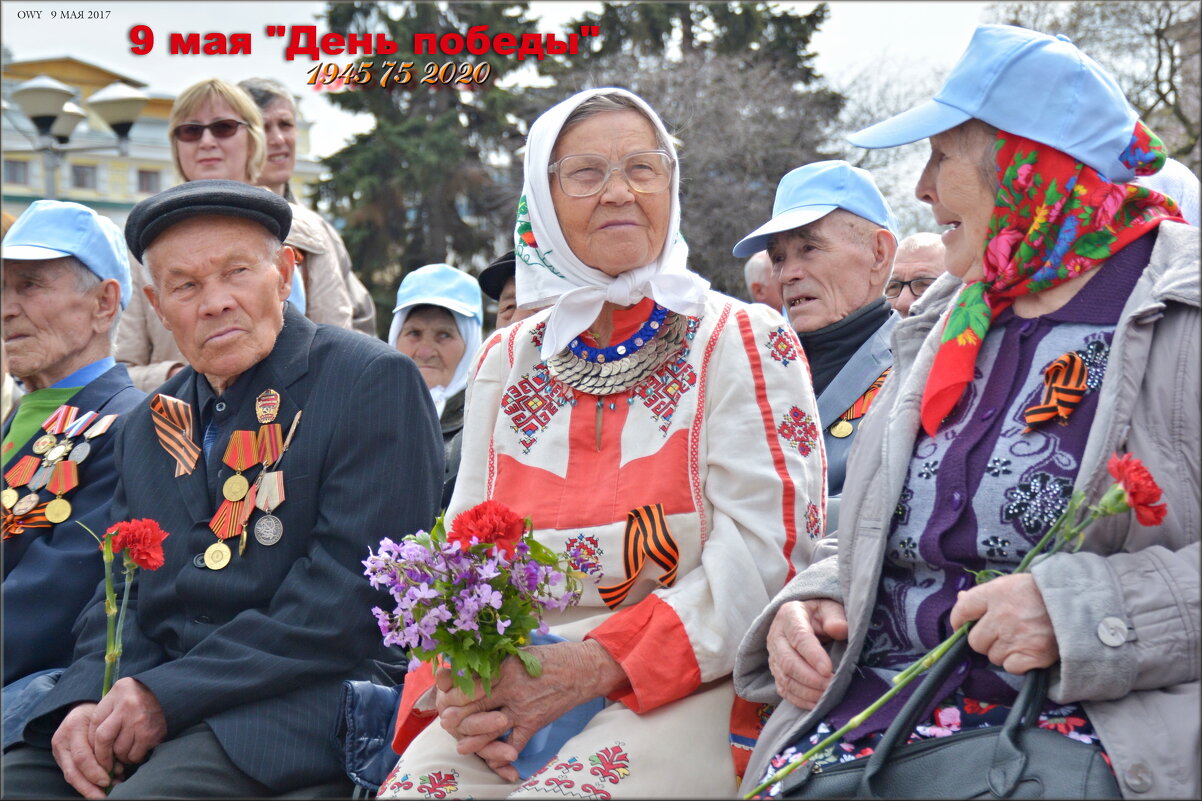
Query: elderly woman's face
[(431, 338), (210, 157), (617, 229), (960, 197)]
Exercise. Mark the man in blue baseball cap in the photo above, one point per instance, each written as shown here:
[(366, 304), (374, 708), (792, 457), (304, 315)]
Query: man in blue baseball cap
[(66, 277), (831, 241)]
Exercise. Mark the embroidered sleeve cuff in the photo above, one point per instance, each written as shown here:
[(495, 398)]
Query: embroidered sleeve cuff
[(649, 641)]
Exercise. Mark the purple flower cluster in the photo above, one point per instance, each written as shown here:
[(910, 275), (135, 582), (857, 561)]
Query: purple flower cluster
[(463, 604)]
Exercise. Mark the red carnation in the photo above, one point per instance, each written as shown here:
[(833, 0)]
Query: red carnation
[(142, 540), (1141, 489), (491, 523)]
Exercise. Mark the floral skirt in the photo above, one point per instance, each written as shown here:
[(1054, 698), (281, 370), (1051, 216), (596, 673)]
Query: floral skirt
[(958, 713)]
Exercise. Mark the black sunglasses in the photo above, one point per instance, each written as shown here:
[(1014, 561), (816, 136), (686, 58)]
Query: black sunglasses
[(192, 131)]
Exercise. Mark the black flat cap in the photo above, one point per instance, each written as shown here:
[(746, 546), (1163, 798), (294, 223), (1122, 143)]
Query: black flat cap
[(492, 279), (156, 214)]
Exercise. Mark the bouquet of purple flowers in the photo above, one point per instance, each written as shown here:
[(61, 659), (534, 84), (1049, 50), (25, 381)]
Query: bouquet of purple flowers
[(470, 597)]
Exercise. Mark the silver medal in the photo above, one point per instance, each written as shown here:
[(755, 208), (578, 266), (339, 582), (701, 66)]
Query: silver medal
[(80, 451), (268, 530)]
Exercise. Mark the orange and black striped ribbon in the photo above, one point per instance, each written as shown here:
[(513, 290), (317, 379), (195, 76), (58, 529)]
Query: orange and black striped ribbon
[(20, 473), (647, 536), (64, 478), (34, 518), (240, 450), (58, 421), (1063, 388), (270, 443), (228, 520), (173, 424), (860, 407)]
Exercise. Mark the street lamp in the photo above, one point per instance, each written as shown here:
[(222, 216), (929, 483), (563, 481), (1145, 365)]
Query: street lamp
[(47, 104)]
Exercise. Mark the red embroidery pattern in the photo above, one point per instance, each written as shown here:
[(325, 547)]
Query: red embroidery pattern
[(531, 403), (394, 784), (799, 430), (698, 419), (813, 521), (586, 559), (536, 335), (611, 764), (662, 390), (781, 346), (563, 783), (438, 784)]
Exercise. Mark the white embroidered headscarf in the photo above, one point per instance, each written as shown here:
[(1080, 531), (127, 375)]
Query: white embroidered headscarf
[(548, 272)]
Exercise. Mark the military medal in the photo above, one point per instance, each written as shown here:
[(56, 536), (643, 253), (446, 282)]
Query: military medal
[(217, 556), (64, 479), (270, 444), (248, 504), (239, 454), (41, 476), (84, 446), (80, 452), (228, 520), (841, 429), (267, 406), (44, 443), (25, 504), (269, 529), (59, 451), (18, 476)]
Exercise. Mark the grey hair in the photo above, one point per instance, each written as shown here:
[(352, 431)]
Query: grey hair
[(86, 281), (599, 104), (918, 241), (962, 136), (758, 267), (265, 91)]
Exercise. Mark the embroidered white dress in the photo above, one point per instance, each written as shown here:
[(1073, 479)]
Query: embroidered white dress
[(723, 437)]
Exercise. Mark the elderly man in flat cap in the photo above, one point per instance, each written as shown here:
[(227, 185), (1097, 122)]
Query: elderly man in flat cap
[(831, 239), (66, 278), (237, 647)]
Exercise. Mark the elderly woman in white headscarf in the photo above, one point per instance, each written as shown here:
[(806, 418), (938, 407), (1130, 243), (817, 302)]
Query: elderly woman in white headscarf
[(437, 322), (669, 434)]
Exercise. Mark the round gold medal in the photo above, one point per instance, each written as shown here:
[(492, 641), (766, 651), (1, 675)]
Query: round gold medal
[(24, 505), (43, 443), (58, 510), (9, 497), (841, 429), (235, 487), (217, 556)]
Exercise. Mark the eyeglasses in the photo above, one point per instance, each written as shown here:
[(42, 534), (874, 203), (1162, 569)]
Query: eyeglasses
[(587, 174), (192, 131), (917, 286)]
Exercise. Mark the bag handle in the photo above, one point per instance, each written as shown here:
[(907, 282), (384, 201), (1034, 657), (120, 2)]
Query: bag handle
[(1008, 758)]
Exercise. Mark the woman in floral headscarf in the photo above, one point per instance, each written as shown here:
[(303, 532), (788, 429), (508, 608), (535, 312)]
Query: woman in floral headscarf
[(640, 404), (1066, 330)]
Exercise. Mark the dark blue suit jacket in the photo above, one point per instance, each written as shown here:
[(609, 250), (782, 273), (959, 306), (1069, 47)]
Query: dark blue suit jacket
[(51, 573), (258, 650)]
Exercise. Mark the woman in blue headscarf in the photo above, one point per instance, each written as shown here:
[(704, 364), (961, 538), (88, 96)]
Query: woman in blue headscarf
[(437, 322)]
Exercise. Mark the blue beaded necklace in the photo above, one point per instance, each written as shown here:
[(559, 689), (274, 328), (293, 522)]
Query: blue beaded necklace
[(640, 338)]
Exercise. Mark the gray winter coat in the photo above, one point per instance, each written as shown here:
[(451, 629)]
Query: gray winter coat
[(1125, 609)]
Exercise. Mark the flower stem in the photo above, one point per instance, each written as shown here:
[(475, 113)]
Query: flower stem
[(110, 613), (118, 641)]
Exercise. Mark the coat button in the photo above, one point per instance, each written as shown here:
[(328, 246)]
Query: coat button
[(221, 406), (199, 561), (1112, 631), (1138, 777)]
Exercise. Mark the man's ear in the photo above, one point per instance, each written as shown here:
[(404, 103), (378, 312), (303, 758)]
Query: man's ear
[(285, 262), (108, 302), (884, 248)]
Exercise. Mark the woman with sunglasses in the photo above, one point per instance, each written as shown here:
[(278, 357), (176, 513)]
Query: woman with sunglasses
[(665, 432), (217, 132)]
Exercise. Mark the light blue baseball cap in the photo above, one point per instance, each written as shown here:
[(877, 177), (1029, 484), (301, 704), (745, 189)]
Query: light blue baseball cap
[(441, 285), (52, 229), (1027, 83), (811, 192)]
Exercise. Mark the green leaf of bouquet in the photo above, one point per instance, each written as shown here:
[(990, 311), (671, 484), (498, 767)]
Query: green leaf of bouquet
[(439, 531), (540, 553), (531, 663)]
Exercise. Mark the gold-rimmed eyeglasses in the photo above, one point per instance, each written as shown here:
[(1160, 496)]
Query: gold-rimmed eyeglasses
[(586, 174)]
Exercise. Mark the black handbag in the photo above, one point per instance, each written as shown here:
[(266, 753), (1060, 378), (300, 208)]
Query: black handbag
[(1014, 760)]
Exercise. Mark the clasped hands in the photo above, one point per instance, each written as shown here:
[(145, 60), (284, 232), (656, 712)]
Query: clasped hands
[(573, 673), (1013, 629), (96, 740)]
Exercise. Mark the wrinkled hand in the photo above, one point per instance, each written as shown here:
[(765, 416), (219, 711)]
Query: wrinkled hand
[(573, 673), (1013, 627), (126, 724), (796, 656), (72, 749)]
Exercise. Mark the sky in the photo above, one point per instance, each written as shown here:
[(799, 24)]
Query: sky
[(928, 35)]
